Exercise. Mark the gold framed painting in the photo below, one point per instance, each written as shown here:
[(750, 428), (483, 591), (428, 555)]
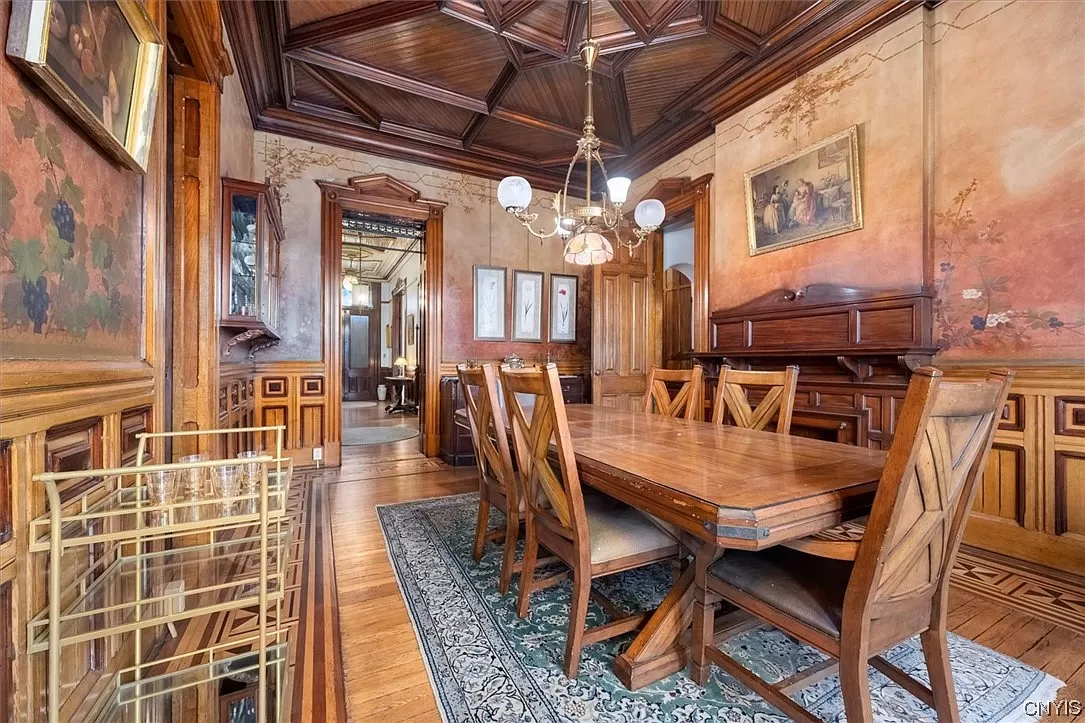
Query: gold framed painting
[(101, 61), (808, 195)]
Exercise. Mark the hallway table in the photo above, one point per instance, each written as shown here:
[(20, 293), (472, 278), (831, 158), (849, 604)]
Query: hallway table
[(724, 488)]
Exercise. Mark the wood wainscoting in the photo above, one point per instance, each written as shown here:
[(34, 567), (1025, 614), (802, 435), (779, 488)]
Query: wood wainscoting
[(1031, 504), (237, 406), (296, 394)]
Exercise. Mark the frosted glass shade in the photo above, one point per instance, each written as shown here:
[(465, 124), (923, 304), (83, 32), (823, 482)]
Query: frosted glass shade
[(349, 281), (361, 295), (586, 249), (514, 192), (650, 213), (618, 189)]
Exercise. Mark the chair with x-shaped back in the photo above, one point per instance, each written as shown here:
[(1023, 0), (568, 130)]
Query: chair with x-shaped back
[(498, 482), (732, 401), (868, 595), (687, 402), (593, 534)]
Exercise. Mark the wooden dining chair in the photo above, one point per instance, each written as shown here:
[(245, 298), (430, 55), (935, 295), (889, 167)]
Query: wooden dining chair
[(865, 596), (732, 401), (593, 534), (687, 402), (498, 485)]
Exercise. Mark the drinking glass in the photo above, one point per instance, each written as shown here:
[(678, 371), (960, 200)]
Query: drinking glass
[(250, 473), (227, 484), (193, 480), (161, 487)]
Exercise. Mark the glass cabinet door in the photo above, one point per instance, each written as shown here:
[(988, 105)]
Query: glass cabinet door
[(245, 262)]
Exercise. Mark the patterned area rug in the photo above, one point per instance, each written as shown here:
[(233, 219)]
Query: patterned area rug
[(486, 664), (361, 436)]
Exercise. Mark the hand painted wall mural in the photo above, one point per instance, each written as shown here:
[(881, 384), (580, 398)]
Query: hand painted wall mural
[(477, 232), (1006, 252), (71, 269)]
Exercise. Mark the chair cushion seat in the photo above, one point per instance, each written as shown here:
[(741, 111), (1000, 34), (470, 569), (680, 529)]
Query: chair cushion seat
[(616, 530), (805, 587)]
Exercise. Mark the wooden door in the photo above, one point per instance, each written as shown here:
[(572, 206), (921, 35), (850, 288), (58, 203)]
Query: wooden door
[(361, 353), (625, 327), (677, 324)]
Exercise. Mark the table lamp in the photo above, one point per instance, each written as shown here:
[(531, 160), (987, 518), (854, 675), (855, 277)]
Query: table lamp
[(400, 362)]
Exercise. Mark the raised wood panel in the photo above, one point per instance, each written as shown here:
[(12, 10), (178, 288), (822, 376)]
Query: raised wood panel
[(133, 422), (274, 387), (1013, 416), (1070, 416), (312, 386), (1070, 494), (1001, 493), (311, 431), (827, 328), (885, 325)]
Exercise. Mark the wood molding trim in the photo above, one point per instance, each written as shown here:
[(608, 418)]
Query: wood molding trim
[(681, 196), (382, 194)]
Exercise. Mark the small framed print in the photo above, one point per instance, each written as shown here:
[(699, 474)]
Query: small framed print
[(563, 308), (527, 305), (491, 303)]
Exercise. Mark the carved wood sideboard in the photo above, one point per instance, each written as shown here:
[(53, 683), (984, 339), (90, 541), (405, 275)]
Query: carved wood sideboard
[(855, 349)]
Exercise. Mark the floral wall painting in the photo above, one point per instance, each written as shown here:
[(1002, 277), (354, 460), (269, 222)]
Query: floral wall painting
[(527, 305), (491, 303), (976, 306), (71, 268), (807, 195), (563, 308), (100, 61)]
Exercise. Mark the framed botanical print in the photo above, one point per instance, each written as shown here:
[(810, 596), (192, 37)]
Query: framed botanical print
[(563, 308), (527, 305), (101, 61), (808, 195), (491, 303)]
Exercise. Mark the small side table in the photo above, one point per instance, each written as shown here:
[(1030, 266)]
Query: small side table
[(400, 404)]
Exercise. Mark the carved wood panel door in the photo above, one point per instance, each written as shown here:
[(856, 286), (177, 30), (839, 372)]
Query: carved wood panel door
[(624, 328)]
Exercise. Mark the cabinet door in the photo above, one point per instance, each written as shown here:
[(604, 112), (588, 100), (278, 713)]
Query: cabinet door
[(241, 253)]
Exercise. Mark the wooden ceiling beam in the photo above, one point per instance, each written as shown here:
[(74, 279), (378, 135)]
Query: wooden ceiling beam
[(421, 134), (735, 35), (468, 12), (474, 127), (344, 93), (631, 16), (660, 22), (517, 10), (792, 27), (621, 110), (356, 21), (380, 76), (575, 18), (528, 121), (501, 86)]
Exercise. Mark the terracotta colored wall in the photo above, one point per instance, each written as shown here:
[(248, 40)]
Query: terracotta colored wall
[(1002, 239), (90, 269), (477, 231)]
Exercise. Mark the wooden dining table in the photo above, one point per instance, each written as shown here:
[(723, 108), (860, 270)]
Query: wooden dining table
[(723, 488)]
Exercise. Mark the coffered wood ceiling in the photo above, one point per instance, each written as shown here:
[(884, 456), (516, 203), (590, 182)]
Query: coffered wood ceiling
[(493, 87)]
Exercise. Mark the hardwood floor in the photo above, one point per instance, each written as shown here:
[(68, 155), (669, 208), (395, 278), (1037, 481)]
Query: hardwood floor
[(376, 671)]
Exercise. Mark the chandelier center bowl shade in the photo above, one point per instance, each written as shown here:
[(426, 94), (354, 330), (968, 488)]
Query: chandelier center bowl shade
[(582, 227)]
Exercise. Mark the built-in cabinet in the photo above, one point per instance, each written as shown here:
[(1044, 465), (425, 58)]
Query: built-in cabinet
[(252, 234)]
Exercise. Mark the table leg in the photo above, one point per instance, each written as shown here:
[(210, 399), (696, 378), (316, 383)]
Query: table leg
[(658, 650)]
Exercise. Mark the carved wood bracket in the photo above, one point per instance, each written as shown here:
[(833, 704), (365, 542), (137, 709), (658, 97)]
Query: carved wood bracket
[(247, 335), (267, 343)]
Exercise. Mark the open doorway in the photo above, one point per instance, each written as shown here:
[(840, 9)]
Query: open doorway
[(677, 293), (382, 262)]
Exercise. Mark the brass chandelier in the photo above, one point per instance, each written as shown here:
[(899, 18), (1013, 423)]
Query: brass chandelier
[(582, 227)]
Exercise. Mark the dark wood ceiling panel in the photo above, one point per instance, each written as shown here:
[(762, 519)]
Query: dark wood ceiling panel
[(534, 143), (492, 87), (434, 48), (307, 88), (299, 12), (409, 109), (556, 93), (688, 62), (763, 17)]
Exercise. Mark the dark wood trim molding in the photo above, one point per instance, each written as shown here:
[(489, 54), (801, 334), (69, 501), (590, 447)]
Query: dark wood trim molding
[(381, 193)]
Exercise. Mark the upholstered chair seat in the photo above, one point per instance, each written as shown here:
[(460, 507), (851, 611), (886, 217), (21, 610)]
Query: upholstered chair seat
[(809, 589), (616, 530)]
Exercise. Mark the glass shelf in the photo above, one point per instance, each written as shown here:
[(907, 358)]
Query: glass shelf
[(217, 576)]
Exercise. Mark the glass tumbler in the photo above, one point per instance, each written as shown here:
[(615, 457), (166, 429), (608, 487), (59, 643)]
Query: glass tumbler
[(227, 484), (161, 487)]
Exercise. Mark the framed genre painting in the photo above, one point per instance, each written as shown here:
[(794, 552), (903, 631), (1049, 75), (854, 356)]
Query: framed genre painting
[(410, 329), (491, 303), (808, 195), (527, 301), (563, 308), (101, 61)]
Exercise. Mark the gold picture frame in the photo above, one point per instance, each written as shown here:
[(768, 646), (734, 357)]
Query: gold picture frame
[(100, 61), (776, 219)]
